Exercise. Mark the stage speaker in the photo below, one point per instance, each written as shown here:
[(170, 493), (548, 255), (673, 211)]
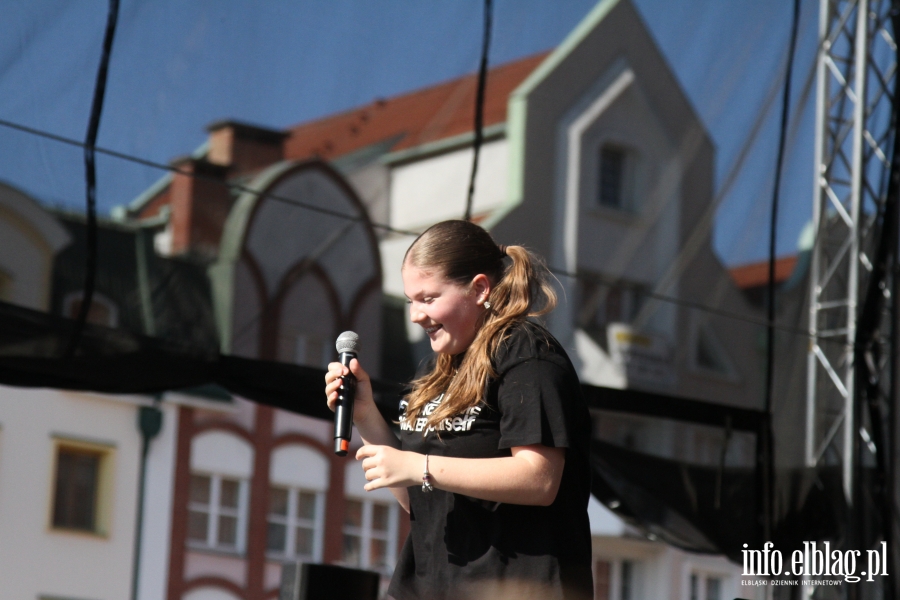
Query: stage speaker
[(310, 581)]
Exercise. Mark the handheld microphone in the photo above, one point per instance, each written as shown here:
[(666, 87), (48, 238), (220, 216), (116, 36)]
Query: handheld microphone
[(346, 346)]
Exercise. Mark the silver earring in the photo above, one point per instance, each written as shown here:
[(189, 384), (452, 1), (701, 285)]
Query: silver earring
[(487, 305)]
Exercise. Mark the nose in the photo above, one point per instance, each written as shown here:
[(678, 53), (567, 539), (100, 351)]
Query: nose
[(415, 315)]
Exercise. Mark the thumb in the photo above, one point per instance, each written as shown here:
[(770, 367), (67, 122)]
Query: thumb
[(358, 371)]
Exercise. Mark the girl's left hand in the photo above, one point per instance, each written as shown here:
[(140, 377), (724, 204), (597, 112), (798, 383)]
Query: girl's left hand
[(387, 467)]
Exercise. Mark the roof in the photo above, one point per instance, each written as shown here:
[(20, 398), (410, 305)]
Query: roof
[(757, 274), (427, 115)]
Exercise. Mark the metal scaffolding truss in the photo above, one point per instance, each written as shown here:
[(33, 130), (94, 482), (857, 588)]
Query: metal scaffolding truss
[(855, 77)]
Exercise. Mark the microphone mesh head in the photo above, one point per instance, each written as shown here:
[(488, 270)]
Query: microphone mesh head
[(347, 342)]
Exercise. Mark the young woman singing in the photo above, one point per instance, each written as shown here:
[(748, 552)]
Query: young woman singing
[(492, 460)]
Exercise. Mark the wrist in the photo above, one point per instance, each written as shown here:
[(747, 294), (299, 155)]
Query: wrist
[(363, 413), (427, 481)]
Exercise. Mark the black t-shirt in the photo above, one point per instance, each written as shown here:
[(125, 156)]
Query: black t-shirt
[(459, 545)]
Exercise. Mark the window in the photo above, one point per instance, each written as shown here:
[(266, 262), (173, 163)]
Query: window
[(627, 585), (103, 311), (295, 523), (217, 512), (615, 177), (299, 478), (370, 534), (75, 501), (713, 588), (81, 491), (708, 353), (604, 302), (602, 579), (313, 351), (704, 587)]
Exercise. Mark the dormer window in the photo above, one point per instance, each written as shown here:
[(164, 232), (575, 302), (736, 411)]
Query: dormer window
[(103, 311), (615, 186)]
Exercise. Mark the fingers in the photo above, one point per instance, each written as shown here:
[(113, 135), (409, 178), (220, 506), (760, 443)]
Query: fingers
[(334, 371), (371, 470), (333, 382), (367, 450)]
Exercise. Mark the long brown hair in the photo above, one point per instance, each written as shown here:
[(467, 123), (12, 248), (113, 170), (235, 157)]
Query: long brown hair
[(460, 250)]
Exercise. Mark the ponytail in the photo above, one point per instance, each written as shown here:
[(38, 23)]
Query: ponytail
[(461, 250)]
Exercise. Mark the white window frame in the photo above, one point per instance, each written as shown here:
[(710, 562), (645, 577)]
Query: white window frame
[(704, 570), (214, 509), (292, 521), (617, 573), (366, 534), (703, 578)]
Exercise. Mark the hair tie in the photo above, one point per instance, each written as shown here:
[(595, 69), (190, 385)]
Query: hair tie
[(502, 249)]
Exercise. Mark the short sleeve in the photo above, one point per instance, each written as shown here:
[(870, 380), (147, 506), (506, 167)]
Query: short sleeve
[(536, 399)]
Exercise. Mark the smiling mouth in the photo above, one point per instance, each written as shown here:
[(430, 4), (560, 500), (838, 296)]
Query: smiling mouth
[(431, 330)]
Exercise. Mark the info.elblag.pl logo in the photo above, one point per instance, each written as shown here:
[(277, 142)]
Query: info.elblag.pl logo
[(814, 561)]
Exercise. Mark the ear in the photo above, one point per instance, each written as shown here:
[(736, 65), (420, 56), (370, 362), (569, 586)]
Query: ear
[(481, 286)]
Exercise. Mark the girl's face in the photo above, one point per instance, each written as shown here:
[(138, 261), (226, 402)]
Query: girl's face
[(449, 313)]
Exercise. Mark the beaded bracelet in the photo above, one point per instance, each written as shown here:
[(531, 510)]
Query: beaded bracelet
[(426, 478)]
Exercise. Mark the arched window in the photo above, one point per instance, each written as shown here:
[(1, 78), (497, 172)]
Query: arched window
[(209, 593), (370, 525), (221, 467), (296, 517), (313, 350)]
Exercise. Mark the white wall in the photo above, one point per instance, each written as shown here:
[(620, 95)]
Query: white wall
[(37, 560), (662, 572), (435, 189), (29, 237)]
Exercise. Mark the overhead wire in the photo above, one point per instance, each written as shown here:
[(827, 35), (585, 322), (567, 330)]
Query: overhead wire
[(394, 230), (767, 459), (177, 171), (237, 187), (479, 106)]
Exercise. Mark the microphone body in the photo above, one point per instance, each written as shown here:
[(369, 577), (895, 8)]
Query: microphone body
[(343, 412)]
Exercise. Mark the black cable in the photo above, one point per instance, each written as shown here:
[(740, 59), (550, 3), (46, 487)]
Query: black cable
[(91, 179), (479, 106), (767, 458), (387, 228), (201, 176)]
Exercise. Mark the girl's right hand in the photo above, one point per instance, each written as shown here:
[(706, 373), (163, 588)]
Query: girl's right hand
[(364, 403)]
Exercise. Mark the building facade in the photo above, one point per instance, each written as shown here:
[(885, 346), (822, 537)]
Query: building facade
[(277, 241)]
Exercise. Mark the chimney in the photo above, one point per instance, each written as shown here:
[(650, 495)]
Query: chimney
[(200, 202), (244, 148)]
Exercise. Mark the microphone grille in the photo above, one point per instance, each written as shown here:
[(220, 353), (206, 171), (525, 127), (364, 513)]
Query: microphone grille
[(347, 342)]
